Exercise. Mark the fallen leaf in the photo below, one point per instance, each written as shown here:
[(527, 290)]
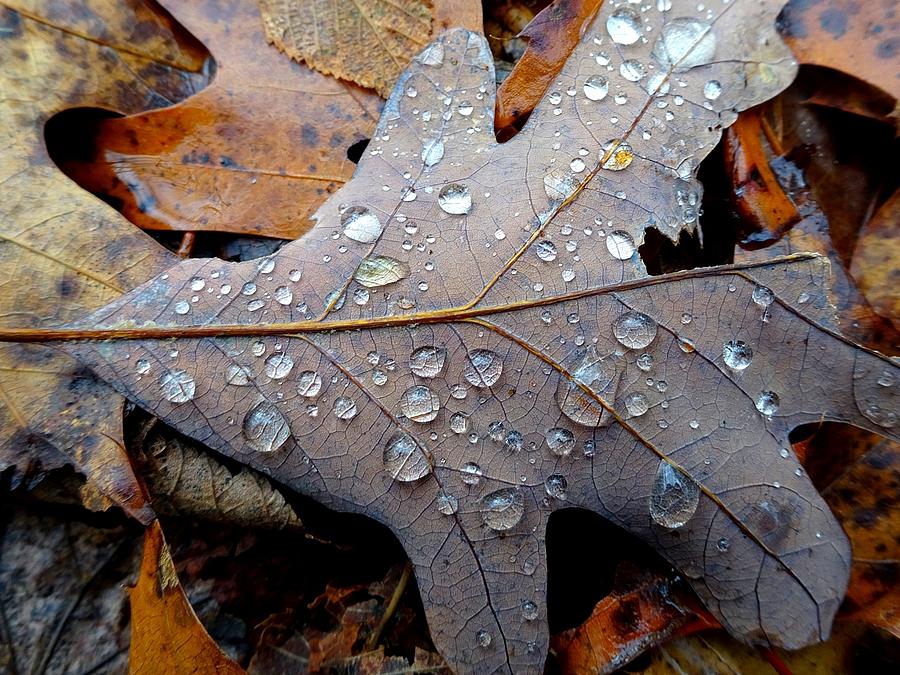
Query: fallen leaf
[(551, 37), (255, 152), (440, 352), (858, 38), (63, 252), (166, 635), (874, 266)]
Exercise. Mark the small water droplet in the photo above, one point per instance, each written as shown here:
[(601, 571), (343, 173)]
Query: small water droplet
[(471, 473), (645, 362), (737, 354), (620, 158), (767, 403), (577, 165), (673, 498), (503, 509), (446, 503), (483, 369), (239, 376), (361, 224), (459, 423), (266, 265), (762, 296), (620, 245), (182, 307), (255, 305), (455, 199), (483, 638), (632, 70), (420, 404), (283, 295), (546, 250), (634, 330), (624, 26), (428, 361), (142, 366), (723, 544), (265, 428), (559, 184), (404, 460), (433, 152), (345, 408), (177, 386), (556, 485), (309, 383)]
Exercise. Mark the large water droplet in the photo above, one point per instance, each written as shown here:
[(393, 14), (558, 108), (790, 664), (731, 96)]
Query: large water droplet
[(596, 87), (428, 361), (600, 377), (471, 473), (503, 509), (559, 184), (266, 428), (673, 497), (634, 330), (360, 224), (380, 270), (404, 460), (177, 386), (763, 296), (239, 376), (767, 403), (624, 26), (684, 43), (345, 408), (737, 354), (546, 250), (278, 366), (556, 486), (561, 441), (621, 156), (433, 152), (455, 199), (636, 404), (620, 245), (446, 503), (309, 383), (420, 404), (484, 368)]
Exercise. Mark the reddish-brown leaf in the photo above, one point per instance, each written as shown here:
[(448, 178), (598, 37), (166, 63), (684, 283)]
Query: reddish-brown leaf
[(876, 260)]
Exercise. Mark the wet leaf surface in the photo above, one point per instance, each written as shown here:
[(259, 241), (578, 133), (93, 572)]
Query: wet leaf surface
[(467, 342)]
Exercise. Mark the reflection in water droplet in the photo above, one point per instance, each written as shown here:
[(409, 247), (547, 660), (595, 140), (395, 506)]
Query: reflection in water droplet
[(762, 296), (621, 156), (345, 408), (546, 250), (447, 504), (556, 486), (455, 199), (380, 270), (278, 366), (624, 26), (636, 404), (428, 361), (360, 224), (767, 403), (404, 460), (420, 404), (237, 375), (645, 362), (177, 386), (620, 245), (471, 473), (634, 330), (737, 354), (309, 383), (561, 441), (503, 509), (596, 87), (483, 638), (712, 90), (459, 423), (484, 368), (265, 428), (673, 498), (684, 43)]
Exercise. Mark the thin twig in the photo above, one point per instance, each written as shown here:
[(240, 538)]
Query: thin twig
[(391, 608)]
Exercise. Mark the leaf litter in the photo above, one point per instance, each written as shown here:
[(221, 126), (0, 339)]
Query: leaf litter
[(705, 350)]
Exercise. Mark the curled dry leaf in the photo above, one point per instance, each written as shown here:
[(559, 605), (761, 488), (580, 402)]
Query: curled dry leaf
[(467, 342), (166, 635), (256, 152), (874, 265), (63, 252)]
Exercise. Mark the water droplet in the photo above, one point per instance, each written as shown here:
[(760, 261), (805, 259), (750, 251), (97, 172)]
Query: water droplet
[(361, 296), (182, 307), (239, 376), (380, 270), (258, 348), (455, 199), (361, 224), (459, 391), (483, 369), (503, 509), (577, 165), (632, 70), (255, 305), (483, 638), (762, 296), (634, 330), (471, 473), (620, 245), (561, 441), (737, 354), (142, 366), (411, 91), (294, 275), (266, 265), (309, 383), (446, 503), (556, 486), (596, 87), (428, 361), (459, 423), (636, 404), (723, 544), (283, 295), (767, 403), (529, 610), (684, 43), (624, 26), (712, 90), (546, 250), (621, 157), (404, 460), (645, 362), (886, 379), (673, 498), (177, 386), (559, 185), (599, 376), (248, 289), (686, 318), (881, 417), (420, 404), (345, 408), (278, 366), (433, 152), (266, 428)]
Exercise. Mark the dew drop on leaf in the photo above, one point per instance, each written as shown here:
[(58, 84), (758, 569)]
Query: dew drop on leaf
[(483, 638), (596, 87), (600, 377), (380, 270), (620, 245), (621, 156), (556, 485), (345, 408), (428, 361), (265, 428), (142, 366), (177, 386), (673, 497), (632, 70), (309, 383), (239, 376), (712, 90), (420, 404), (545, 250), (634, 330), (737, 354), (624, 26), (559, 185), (636, 404), (446, 503), (684, 43), (283, 295), (645, 362), (762, 296), (471, 473), (483, 369), (433, 152), (404, 460), (360, 224), (455, 199), (503, 509), (767, 403), (278, 366), (459, 423)]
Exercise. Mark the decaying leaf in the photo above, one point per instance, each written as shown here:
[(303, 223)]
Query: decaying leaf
[(329, 36), (63, 252), (520, 361), (166, 636), (255, 152), (874, 265)]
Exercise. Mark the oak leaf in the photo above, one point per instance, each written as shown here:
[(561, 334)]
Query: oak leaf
[(467, 341)]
